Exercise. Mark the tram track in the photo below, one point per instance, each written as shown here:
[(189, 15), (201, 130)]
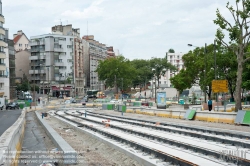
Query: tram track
[(202, 151)]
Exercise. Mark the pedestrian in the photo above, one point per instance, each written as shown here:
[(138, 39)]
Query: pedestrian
[(39, 100), (210, 104)]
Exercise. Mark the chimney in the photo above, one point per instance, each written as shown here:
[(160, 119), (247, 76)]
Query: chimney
[(20, 32)]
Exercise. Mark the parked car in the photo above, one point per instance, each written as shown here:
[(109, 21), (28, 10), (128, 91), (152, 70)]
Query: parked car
[(12, 105)]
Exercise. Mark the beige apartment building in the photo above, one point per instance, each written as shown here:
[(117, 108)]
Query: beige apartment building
[(21, 41), (94, 52), (77, 71), (4, 61)]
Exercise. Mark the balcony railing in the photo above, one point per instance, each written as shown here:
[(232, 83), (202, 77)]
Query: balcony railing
[(3, 76), (34, 43), (3, 64), (58, 49)]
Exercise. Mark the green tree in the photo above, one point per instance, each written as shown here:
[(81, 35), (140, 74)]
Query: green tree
[(143, 72), (171, 50), (159, 64), (116, 72), (200, 67), (180, 81), (238, 33)]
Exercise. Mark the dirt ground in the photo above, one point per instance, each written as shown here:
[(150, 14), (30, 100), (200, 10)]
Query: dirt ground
[(91, 152)]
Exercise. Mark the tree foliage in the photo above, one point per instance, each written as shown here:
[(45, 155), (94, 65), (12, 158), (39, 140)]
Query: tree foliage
[(238, 33), (143, 72), (116, 72), (159, 64), (171, 50)]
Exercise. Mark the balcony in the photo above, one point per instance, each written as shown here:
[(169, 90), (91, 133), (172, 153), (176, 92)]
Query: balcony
[(33, 58), (34, 43), (58, 50), (2, 31), (37, 71), (37, 50), (3, 76), (59, 64), (2, 43), (2, 55)]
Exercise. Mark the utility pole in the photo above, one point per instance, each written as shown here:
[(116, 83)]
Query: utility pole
[(205, 72), (122, 89)]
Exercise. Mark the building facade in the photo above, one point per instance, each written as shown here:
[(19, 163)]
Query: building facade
[(52, 62), (176, 60), (21, 41), (78, 72), (93, 53), (4, 60)]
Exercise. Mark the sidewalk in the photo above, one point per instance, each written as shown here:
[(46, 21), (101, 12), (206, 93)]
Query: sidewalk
[(36, 144)]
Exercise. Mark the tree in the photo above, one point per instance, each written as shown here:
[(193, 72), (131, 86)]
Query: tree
[(143, 72), (180, 81), (159, 64), (238, 33), (200, 67), (116, 72), (171, 50)]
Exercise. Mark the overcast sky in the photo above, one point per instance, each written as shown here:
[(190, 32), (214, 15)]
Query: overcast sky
[(139, 29)]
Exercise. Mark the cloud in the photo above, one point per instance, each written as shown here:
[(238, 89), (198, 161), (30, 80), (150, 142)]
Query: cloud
[(139, 29)]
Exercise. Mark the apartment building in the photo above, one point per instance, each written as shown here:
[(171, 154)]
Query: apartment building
[(52, 62), (176, 60), (21, 41), (4, 60), (94, 52), (78, 72)]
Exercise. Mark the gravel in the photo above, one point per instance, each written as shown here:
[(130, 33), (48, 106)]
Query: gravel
[(90, 150)]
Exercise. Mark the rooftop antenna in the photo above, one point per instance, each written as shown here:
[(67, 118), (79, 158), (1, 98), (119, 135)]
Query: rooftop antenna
[(61, 21), (67, 22), (87, 29)]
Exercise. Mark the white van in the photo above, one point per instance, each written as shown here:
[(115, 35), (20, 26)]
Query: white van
[(2, 103)]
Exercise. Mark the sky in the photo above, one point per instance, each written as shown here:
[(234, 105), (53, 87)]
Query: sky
[(139, 29)]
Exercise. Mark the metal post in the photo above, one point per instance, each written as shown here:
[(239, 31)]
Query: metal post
[(48, 84), (64, 84), (205, 58), (122, 89), (215, 76), (155, 90)]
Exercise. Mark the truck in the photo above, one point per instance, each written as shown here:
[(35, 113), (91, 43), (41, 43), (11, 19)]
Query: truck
[(24, 96), (2, 103), (161, 100)]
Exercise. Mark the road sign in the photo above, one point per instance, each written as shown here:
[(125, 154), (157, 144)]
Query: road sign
[(220, 86)]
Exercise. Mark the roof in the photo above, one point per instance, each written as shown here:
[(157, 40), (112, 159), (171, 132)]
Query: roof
[(17, 38)]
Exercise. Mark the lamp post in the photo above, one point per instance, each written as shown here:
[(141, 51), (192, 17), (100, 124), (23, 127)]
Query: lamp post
[(153, 70)]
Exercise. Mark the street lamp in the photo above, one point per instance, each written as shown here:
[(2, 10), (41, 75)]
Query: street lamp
[(153, 70)]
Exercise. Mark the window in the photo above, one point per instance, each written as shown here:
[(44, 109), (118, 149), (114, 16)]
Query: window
[(165, 82), (20, 45), (69, 46)]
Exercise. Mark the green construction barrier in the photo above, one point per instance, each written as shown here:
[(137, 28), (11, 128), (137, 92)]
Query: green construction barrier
[(137, 99), (110, 107), (191, 114), (246, 119), (21, 106), (137, 104), (150, 103)]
